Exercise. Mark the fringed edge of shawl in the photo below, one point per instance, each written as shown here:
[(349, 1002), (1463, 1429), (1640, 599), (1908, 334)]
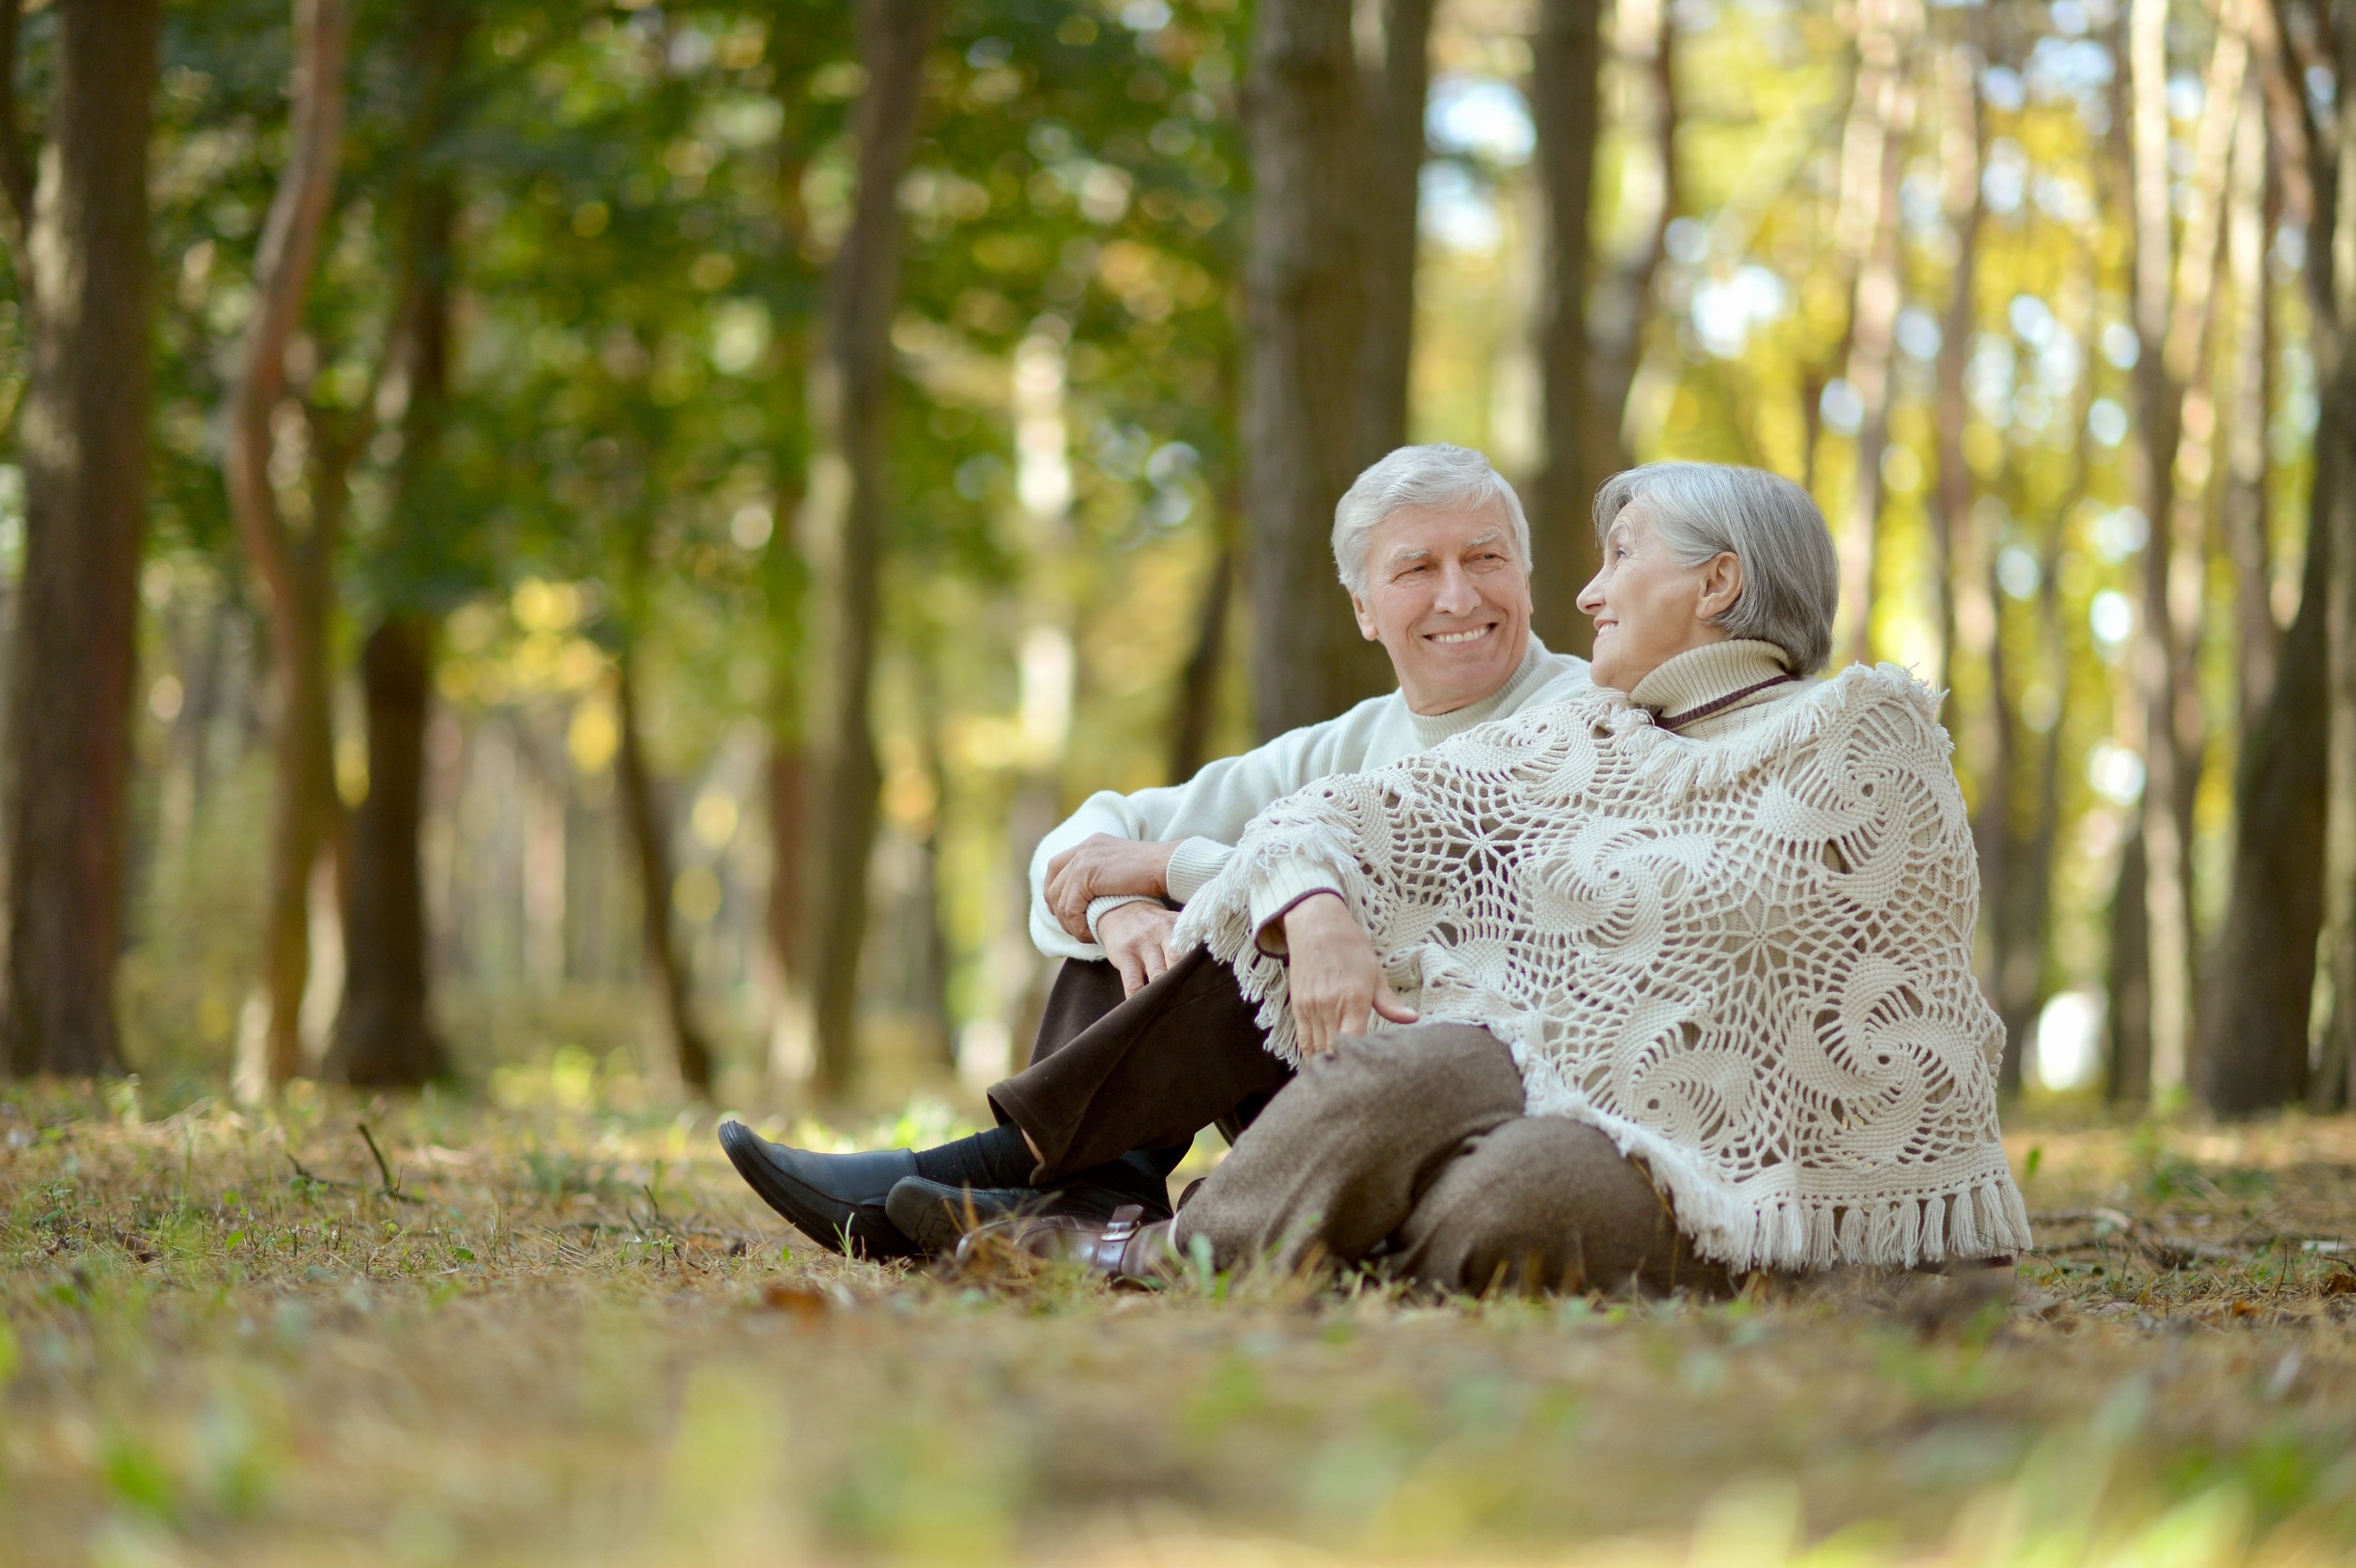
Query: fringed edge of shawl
[(1979, 1215)]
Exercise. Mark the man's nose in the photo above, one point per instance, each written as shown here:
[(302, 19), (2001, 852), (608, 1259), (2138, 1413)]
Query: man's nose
[(1457, 595)]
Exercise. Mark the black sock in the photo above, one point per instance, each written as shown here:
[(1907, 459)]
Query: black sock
[(995, 1158)]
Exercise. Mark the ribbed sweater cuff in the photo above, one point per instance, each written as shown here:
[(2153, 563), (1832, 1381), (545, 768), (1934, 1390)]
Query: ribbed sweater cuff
[(1098, 908), (1192, 865), (1275, 890)]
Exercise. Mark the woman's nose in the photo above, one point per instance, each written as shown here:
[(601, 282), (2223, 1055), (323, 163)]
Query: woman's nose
[(1591, 597)]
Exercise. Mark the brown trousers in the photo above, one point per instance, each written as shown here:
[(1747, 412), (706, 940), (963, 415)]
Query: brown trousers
[(1108, 1076), (1410, 1145)]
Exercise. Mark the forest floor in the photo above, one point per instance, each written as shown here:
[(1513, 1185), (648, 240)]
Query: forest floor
[(549, 1333)]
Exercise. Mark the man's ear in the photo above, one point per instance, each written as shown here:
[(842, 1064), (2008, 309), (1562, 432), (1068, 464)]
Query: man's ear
[(1722, 585), (1366, 619)]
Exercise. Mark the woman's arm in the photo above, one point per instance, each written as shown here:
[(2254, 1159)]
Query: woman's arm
[(1334, 981)]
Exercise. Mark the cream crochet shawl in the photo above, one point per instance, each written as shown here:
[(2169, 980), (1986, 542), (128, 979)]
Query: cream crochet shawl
[(1748, 960)]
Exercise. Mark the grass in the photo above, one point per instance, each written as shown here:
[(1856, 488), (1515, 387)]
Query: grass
[(548, 1329)]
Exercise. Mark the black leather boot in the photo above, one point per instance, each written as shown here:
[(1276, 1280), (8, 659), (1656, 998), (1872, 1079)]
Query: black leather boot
[(836, 1200)]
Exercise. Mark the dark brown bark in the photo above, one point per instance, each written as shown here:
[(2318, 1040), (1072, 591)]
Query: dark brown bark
[(861, 288), (649, 828), (1396, 91), (2127, 1078), (1304, 300), (384, 1035), (2259, 972), (383, 1029), (1619, 298), (1194, 707), (293, 568), (1566, 101), (83, 440), (2260, 988)]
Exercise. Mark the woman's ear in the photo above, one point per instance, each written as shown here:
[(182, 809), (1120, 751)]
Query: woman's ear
[(1722, 585)]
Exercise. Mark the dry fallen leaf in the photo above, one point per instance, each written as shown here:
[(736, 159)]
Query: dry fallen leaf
[(805, 1305)]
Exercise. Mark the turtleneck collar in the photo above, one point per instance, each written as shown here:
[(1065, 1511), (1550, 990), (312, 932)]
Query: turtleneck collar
[(1703, 675), (1432, 729)]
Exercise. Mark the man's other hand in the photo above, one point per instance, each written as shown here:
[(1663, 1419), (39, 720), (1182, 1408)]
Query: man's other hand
[(1102, 866), (1333, 980), (1137, 940)]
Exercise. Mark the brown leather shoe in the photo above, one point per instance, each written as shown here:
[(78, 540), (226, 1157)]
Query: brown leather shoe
[(1123, 1249)]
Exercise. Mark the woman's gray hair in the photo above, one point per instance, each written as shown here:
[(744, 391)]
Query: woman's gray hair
[(1438, 475), (1791, 576)]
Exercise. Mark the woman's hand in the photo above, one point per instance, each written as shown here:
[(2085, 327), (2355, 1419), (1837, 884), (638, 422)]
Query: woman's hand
[(1100, 866), (1335, 982)]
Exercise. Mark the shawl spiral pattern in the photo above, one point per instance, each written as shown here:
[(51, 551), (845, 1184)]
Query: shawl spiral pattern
[(1746, 960)]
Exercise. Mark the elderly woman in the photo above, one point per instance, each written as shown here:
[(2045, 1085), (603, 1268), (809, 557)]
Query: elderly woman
[(1687, 959)]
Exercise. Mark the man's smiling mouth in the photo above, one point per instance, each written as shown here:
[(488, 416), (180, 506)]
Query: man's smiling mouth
[(1471, 633)]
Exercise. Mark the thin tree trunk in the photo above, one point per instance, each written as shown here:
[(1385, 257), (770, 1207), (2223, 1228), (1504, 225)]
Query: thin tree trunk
[(1566, 63), (1872, 166), (1396, 89), (2257, 639), (1195, 706), (2260, 979), (1621, 298), (384, 1036), (1303, 314), (82, 441), (2127, 1080), (2337, 356), (785, 580), (647, 826), (863, 281), (296, 571), (383, 1033), (1959, 554)]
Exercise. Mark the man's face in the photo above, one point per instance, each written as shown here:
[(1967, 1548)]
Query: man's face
[(1449, 600)]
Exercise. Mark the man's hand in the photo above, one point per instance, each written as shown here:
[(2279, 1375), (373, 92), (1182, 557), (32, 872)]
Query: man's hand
[(1335, 981), (1099, 866), (1137, 940)]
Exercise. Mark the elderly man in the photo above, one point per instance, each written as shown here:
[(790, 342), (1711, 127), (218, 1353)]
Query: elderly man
[(1141, 1048)]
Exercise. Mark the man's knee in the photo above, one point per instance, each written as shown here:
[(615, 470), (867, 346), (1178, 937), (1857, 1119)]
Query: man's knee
[(1545, 1203), (1442, 1072)]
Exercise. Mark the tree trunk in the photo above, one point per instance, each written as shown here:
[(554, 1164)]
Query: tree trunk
[(1195, 706), (1621, 298), (2127, 1078), (863, 284), (296, 573), (82, 441), (1965, 609), (1873, 164), (382, 1029), (1395, 88), (2258, 640), (1304, 300), (384, 1036), (2259, 979), (1567, 62), (649, 828)]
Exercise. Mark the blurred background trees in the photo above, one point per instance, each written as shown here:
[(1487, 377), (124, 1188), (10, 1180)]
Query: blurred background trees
[(647, 508)]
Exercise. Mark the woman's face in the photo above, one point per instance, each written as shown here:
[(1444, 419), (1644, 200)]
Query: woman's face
[(1648, 608)]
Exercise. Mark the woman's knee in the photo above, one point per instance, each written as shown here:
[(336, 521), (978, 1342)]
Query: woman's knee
[(1446, 1071), (1545, 1203)]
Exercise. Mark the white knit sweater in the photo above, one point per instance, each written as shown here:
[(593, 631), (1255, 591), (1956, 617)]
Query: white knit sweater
[(1208, 812)]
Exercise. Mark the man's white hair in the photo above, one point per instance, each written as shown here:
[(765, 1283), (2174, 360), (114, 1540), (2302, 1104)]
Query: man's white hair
[(1438, 475), (1791, 576)]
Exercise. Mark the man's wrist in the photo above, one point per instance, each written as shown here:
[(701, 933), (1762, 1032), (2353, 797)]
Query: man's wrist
[(1100, 907)]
